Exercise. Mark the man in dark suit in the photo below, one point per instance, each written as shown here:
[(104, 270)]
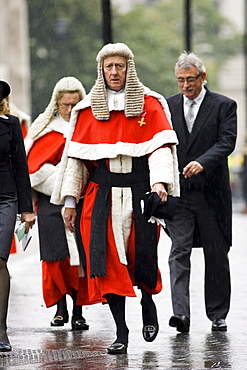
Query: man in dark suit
[(206, 126)]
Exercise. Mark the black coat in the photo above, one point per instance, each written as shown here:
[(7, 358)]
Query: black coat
[(14, 175), (212, 140)]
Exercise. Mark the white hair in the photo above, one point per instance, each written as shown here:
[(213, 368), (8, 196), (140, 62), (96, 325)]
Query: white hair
[(65, 85)]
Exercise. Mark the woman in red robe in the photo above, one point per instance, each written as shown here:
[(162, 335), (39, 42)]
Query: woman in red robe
[(62, 271)]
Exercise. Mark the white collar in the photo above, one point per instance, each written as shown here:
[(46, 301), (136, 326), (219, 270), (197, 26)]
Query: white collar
[(198, 99), (3, 116), (115, 99)]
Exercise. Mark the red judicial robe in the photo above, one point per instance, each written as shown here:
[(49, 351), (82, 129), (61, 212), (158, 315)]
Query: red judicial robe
[(94, 141), (58, 276)]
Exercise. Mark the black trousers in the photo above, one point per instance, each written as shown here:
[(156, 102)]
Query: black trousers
[(193, 212)]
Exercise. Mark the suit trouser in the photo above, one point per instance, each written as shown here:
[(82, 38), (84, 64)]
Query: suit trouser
[(193, 211)]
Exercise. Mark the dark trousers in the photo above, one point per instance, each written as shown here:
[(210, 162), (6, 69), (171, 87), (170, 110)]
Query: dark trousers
[(193, 211), (8, 211)]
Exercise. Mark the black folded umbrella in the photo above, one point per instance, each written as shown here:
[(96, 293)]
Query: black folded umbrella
[(151, 206)]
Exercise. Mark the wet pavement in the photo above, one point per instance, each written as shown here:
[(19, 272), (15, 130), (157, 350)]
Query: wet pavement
[(36, 345)]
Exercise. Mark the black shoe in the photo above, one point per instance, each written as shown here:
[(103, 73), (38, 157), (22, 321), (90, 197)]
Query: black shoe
[(60, 320), (219, 325), (79, 324), (150, 320), (117, 348), (150, 332), (182, 323), (5, 347)]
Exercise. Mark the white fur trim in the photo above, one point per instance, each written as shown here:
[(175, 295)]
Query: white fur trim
[(28, 142), (121, 207), (121, 220), (44, 179), (99, 151), (121, 164), (161, 168), (75, 178), (72, 246), (56, 196), (161, 100), (176, 189)]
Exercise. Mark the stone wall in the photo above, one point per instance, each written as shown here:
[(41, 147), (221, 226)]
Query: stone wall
[(14, 51)]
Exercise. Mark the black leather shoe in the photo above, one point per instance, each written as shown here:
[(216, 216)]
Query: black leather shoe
[(219, 325), (150, 327), (117, 348), (60, 320), (79, 324), (5, 347), (182, 323), (150, 332)]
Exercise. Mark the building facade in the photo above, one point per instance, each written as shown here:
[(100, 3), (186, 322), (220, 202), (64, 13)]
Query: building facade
[(14, 51)]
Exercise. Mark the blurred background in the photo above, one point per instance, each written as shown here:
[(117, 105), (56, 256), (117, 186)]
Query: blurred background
[(42, 41)]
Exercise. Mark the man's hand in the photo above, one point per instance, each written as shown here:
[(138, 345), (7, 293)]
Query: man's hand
[(193, 168), (69, 218), (159, 188)]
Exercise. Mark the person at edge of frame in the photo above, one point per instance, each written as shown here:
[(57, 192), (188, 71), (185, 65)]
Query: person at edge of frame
[(15, 198), (206, 126)]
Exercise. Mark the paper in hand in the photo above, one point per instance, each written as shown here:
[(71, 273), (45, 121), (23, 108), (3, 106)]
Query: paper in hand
[(22, 236), (20, 231)]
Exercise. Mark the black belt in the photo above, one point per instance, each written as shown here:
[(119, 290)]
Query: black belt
[(112, 179), (146, 267)]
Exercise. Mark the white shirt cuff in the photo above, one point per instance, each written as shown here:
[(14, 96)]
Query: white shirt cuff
[(70, 202)]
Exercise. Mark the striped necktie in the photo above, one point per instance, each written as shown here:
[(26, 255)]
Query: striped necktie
[(190, 115)]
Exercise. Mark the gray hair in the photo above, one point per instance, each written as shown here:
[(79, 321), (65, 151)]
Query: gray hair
[(188, 60)]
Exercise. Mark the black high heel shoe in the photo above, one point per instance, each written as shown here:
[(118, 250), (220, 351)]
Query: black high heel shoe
[(79, 324), (117, 348), (5, 347), (60, 320)]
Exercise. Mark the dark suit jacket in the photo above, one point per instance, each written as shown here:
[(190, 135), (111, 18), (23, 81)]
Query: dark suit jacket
[(212, 139), (14, 175)]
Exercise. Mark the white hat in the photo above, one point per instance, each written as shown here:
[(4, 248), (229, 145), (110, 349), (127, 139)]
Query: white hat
[(65, 85), (134, 90)]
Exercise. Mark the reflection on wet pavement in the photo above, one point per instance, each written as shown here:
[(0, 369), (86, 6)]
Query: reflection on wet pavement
[(36, 345), (217, 351), (180, 351)]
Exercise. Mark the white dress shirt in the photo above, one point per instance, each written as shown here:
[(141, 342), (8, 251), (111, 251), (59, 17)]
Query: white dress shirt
[(198, 101)]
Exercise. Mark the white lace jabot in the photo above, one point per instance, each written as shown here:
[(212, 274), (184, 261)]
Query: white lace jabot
[(115, 99)]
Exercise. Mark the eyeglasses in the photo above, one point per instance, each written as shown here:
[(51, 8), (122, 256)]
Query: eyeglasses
[(66, 106), (181, 80)]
